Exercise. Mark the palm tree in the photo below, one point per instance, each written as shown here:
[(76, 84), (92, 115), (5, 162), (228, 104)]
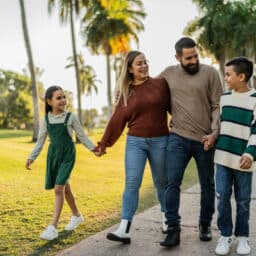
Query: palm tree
[(225, 29), (88, 79), (109, 27), (69, 8), (87, 75), (117, 65), (32, 72)]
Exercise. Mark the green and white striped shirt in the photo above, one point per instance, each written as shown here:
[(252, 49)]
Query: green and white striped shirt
[(238, 129)]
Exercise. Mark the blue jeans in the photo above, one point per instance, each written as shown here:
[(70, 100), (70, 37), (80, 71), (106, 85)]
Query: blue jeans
[(137, 151), (179, 152), (242, 181)]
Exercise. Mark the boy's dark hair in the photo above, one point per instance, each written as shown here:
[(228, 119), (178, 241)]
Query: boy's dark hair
[(48, 95), (242, 66), (184, 42)]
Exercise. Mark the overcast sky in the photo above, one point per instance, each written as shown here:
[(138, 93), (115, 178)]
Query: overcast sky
[(51, 42)]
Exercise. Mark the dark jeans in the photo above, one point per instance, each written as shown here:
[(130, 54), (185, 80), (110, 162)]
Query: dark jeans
[(179, 152), (242, 181)]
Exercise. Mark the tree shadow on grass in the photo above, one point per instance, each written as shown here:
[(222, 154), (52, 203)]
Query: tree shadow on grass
[(51, 244)]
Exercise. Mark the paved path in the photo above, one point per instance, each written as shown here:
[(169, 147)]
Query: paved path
[(146, 234)]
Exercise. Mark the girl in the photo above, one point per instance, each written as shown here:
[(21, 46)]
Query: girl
[(59, 125), (143, 103)]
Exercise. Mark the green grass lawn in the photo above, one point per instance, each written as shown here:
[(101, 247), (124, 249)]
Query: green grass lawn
[(26, 208)]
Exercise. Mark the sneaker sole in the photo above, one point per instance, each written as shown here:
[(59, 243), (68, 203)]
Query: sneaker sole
[(70, 229), (113, 237), (221, 254), (244, 253), (47, 238)]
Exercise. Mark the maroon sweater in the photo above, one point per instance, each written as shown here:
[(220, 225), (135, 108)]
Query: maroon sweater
[(145, 113)]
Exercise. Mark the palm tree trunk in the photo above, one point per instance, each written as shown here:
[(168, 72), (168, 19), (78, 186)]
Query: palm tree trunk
[(222, 61), (32, 72), (251, 54), (78, 83), (109, 96)]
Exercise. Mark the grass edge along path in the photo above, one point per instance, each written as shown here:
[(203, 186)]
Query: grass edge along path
[(26, 208)]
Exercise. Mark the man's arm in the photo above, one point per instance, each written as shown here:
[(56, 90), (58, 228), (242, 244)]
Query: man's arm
[(216, 91)]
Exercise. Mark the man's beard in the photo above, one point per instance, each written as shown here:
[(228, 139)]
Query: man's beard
[(191, 69)]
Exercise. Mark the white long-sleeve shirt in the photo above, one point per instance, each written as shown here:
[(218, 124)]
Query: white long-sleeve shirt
[(73, 124)]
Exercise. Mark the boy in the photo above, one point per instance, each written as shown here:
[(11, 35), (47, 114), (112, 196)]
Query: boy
[(235, 155)]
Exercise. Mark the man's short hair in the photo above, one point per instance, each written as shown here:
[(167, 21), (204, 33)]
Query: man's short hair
[(184, 42), (242, 65)]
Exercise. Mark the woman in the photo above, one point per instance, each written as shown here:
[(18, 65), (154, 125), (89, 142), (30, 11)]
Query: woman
[(142, 104)]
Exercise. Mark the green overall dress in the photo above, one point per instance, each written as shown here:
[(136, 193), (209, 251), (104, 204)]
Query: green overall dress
[(61, 154)]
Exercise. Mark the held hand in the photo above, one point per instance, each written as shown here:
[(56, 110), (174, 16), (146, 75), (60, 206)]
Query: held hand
[(208, 141), (206, 146), (245, 162), (98, 151), (28, 164)]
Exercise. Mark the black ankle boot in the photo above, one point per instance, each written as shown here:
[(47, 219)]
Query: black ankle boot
[(172, 238), (205, 232)]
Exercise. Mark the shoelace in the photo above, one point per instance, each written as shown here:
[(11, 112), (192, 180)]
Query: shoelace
[(223, 239)]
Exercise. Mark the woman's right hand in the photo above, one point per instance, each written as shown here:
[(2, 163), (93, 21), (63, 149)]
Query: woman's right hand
[(98, 151), (28, 164)]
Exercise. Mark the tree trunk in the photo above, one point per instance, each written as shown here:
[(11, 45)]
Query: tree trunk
[(32, 72), (78, 83), (109, 92), (251, 54), (222, 60)]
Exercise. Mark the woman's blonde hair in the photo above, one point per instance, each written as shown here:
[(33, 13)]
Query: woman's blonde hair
[(125, 79)]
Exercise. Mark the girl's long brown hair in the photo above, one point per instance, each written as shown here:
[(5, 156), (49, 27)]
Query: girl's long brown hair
[(48, 95)]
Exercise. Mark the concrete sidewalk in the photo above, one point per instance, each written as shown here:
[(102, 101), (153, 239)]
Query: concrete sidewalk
[(146, 234)]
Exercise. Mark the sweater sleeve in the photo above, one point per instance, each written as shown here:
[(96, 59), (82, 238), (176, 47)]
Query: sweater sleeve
[(168, 96), (215, 93), (42, 134), (251, 145), (114, 127), (77, 127)]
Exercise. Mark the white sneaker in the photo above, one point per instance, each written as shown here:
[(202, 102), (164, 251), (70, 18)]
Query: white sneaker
[(50, 233), (243, 246), (74, 222), (223, 245)]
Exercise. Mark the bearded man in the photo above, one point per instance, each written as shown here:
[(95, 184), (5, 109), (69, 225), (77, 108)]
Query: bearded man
[(195, 93)]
